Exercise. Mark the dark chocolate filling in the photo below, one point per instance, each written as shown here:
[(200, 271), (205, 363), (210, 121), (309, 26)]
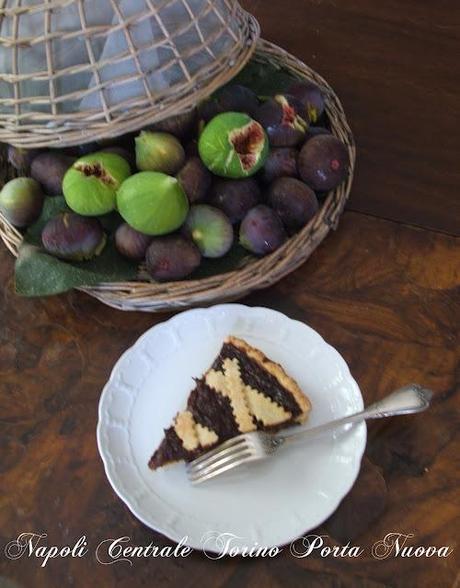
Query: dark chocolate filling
[(212, 410), (171, 449), (257, 377)]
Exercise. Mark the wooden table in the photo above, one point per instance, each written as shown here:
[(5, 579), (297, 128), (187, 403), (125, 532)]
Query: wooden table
[(384, 289)]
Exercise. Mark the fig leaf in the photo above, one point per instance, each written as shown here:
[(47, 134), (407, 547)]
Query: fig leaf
[(264, 79), (40, 274)]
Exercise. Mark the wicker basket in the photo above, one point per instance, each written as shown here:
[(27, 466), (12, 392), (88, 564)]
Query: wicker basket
[(154, 297), (73, 71)]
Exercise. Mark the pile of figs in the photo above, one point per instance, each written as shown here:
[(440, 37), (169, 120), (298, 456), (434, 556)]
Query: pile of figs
[(237, 169)]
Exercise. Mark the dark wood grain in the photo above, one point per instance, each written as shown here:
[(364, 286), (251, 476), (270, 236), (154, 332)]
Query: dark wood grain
[(395, 66), (386, 295), (381, 290), (361, 508)]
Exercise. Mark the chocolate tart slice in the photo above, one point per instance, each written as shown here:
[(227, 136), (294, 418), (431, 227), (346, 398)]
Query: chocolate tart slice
[(243, 391)]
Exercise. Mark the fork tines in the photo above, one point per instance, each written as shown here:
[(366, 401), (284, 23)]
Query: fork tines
[(226, 456)]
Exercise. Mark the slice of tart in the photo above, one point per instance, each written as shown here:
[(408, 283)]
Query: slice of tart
[(243, 391)]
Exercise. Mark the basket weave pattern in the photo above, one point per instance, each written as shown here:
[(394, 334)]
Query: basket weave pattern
[(154, 297), (77, 71)]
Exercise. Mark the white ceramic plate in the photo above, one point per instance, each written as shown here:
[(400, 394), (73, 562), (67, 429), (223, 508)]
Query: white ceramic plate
[(271, 503)]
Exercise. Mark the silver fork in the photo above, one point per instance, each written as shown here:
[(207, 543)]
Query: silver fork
[(259, 445)]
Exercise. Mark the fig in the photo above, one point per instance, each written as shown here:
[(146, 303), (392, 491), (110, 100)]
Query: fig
[(281, 161), (237, 98), (311, 97), (153, 203), (85, 149), (73, 237), (233, 145), (231, 98), (173, 257), (49, 169), (21, 158), (160, 152), (208, 109), (195, 179), (281, 118), (323, 162), (235, 197), (181, 125), (90, 185), (21, 201), (262, 231), (209, 229), (293, 201), (314, 131), (130, 243), (122, 152)]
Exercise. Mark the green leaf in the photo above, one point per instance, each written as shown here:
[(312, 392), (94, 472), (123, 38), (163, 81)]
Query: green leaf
[(40, 274), (264, 79)]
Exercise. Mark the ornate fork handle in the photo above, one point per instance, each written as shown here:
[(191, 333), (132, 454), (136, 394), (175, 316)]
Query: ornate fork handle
[(409, 399)]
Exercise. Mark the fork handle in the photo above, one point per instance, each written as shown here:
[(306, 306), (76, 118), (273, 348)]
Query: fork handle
[(406, 400)]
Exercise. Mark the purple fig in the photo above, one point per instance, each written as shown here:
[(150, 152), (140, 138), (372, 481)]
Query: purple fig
[(73, 237), (173, 257), (323, 162), (130, 243), (293, 201), (262, 231), (235, 197)]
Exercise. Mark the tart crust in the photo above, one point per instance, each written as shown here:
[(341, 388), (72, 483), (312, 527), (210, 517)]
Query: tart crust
[(243, 391), (277, 371)]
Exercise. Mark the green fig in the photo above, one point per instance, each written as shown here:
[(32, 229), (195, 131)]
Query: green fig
[(209, 229), (233, 145), (90, 185), (160, 152), (153, 203), (21, 201)]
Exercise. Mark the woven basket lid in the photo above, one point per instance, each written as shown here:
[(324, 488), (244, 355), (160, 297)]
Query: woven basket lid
[(73, 71)]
